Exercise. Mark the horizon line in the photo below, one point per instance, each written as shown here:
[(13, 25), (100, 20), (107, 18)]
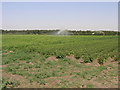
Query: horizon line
[(62, 29)]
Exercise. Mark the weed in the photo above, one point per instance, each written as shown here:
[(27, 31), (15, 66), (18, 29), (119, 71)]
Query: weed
[(90, 86)]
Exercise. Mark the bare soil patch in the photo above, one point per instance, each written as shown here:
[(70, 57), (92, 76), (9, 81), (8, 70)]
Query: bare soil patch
[(24, 83), (80, 60), (22, 61), (60, 77), (52, 58), (13, 77), (3, 66), (109, 61), (71, 57), (95, 63)]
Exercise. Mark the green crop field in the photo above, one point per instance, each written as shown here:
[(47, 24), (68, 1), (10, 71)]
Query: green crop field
[(46, 61)]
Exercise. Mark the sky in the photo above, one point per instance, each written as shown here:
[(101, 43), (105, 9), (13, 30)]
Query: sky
[(60, 15)]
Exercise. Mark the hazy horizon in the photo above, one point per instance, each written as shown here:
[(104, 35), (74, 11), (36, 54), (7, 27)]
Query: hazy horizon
[(60, 15)]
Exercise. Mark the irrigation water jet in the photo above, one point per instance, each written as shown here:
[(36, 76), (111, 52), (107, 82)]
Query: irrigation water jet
[(63, 32)]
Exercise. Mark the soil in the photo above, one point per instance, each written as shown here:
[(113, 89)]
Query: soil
[(107, 83), (71, 57), (94, 63), (80, 60), (52, 58), (3, 66), (23, 81), (109, 61)]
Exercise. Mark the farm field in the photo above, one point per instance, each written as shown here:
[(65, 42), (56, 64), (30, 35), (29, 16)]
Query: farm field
[(46, 61)]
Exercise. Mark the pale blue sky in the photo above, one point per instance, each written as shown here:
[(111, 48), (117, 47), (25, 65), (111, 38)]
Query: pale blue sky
[(60, 15)]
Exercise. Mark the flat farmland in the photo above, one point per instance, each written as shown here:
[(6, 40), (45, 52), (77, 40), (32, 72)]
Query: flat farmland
[(46, 61)]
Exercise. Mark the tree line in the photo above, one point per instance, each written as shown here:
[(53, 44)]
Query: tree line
[(54, 32)]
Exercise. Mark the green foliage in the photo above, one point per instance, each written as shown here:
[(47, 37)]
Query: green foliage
[(101, 61), (90, 86), (116, 57), (28, 47), (9, 84), (41, 82), (87, 59), (29, 55)]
